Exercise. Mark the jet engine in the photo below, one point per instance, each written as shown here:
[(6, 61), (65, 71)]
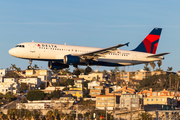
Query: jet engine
[(72, 60), (53, 65)]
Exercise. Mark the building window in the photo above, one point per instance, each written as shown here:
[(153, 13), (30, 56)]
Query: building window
[(98, 98), (154, 94), (162, 99), (134, 105), (152, 99), (157, 99), (148, 100), (148, 94)]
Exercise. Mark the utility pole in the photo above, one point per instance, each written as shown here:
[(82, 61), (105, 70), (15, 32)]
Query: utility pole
[(106, 109), (77, 112)]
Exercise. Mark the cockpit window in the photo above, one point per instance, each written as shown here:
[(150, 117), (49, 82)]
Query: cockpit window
[(19, 46)]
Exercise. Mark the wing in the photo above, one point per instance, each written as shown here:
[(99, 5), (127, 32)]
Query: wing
[(102, 52)]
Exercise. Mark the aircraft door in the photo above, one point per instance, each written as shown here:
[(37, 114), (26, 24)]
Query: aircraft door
[(32, 48)]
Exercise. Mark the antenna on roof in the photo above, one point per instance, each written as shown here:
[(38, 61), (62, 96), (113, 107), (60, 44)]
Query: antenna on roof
[(32, 40)]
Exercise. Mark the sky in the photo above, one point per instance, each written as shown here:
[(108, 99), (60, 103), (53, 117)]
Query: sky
[(94, 23)]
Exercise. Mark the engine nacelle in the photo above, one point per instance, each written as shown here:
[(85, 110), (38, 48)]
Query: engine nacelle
[(56, 65), (72, 60)]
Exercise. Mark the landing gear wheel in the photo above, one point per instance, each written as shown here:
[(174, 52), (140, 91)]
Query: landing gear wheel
[(30, 62), (29, 67), (88, 69)]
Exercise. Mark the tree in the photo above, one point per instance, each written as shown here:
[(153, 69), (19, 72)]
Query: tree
[(85, 84), (35, 95), (35, 67), (23, 87), (145, 116), (159, 63), (69, 82), (13, 66), (12, 74), (153, 65), (56, 94), (169, 69), (146, 68), (9, 97)]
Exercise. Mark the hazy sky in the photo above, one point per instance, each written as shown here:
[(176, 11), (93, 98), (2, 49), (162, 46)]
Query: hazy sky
[(96, 23)]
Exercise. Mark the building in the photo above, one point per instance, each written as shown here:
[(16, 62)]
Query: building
[(130, 102), (92, 84), (96, 90), (53, 88), (160, 100), (9, 85), (78, 82), (75, 93), (42, 74), (139, 75), (67, 98), (93, 76), (106, 102), (33, 81), (31, 106), (164, 92), (123, 90)]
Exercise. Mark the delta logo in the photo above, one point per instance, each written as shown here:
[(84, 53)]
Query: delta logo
[(47, 46)]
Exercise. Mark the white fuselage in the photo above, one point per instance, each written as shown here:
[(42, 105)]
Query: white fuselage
[(55, 52)]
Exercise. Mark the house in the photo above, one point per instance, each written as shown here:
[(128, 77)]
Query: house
[(139, 75), (107, 102), (53, 88), (124, 90), (92, 84), (96, 90), (78, 82), (93, 76), (33, 81), (130, 101), (75, 93), (164, 92), (31, 106), (161, 100), (42, 74), (67, 98), (9, 85)]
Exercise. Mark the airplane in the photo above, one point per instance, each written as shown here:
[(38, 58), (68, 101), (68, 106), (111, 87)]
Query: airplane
[(61, 56)]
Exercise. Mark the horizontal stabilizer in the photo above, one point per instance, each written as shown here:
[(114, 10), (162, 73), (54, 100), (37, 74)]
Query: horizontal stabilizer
[(157, 55)]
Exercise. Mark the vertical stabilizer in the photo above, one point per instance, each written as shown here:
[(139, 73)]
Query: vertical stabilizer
[(150, 43)]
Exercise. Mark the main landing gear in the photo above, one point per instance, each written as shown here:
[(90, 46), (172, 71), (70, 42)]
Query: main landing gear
[(30, 62), (87, 70)]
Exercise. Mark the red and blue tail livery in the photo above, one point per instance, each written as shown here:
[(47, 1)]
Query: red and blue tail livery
[(150, 43)]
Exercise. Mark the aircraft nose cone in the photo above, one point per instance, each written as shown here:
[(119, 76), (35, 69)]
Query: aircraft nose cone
[(11, 52)]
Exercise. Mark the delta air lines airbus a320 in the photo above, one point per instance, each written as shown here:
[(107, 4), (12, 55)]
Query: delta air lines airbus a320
[(61, 56)]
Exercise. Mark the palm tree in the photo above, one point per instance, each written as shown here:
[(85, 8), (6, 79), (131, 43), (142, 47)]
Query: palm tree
[(13, 66), (35, 66), (169, 69), (153, 65), (159, 63)]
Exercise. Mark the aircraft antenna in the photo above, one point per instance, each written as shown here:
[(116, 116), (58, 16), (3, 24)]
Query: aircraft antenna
[(64, 43), (32, 40)]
